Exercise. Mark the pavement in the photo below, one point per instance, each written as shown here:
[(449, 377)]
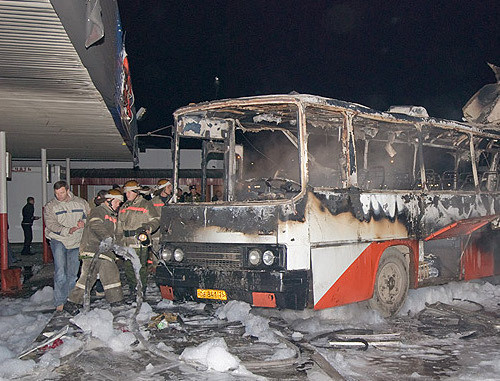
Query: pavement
[(35, 274)]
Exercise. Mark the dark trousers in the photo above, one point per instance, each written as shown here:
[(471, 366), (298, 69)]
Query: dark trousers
[(28, 237)]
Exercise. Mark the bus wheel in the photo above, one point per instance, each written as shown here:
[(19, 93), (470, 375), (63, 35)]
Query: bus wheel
[(391, 283)]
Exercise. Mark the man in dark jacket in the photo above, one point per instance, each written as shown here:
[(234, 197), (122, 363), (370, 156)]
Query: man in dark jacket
[(27, 224)]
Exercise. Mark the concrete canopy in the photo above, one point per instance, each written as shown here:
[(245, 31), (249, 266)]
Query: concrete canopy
[(47, 96)]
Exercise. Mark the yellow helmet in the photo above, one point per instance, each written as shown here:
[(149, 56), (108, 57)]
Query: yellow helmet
[(114, 193), (131, 185), (162, 184)]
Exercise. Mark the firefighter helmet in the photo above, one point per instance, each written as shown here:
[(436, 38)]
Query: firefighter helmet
[(163, 183), (145, 190), (100, 198), (131, 185), (114, 193)]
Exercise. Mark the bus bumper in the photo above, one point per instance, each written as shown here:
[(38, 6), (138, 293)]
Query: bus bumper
[(280, 289)]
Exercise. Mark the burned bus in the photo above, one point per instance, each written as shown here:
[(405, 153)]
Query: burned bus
[(327, 202)]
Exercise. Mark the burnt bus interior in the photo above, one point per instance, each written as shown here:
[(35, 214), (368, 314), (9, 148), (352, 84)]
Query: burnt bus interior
[(404, 153), (265, 147)]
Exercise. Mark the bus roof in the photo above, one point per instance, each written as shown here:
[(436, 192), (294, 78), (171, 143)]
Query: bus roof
[(336, 105)]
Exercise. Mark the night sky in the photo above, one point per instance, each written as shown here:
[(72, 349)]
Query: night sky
[(377, 53)]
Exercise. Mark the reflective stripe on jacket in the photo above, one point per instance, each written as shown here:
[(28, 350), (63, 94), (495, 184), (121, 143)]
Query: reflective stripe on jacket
[(133, 215), (100, 225)]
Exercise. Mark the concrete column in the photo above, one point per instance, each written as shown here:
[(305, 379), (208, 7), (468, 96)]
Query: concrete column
[(4, 263), (68, 172), (44, 176), (47, 254), (11, 278)]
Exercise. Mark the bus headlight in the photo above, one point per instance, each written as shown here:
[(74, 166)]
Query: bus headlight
[(178, 255), (254, 257), (268, 257), (166, 254)]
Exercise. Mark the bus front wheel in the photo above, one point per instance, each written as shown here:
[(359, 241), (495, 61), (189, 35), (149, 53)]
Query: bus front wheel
[(391, 283)]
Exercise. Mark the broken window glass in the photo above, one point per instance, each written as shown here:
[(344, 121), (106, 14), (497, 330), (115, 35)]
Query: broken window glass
[(324, 147), (269, 165), (446, 159), (386, 154)]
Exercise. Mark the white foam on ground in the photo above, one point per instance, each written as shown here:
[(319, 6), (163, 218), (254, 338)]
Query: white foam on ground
[(100, 324), (256, 326), (479, 292), (145, 313), (213, 355), (12, 368), (45, 295)]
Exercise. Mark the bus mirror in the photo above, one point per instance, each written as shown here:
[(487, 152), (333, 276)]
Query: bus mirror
[(388, 147), (390, 150)]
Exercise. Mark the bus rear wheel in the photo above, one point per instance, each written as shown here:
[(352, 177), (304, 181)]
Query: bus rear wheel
[(391, 283)]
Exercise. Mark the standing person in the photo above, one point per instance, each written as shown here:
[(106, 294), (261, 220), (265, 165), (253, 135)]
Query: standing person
[(27, 224), (163, 196), (193, 195), (65, 218), (136, 215), (101, 224), (180, 195), (217, 196), (99, 198)]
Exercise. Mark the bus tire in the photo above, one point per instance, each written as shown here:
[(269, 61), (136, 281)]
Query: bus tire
[(391, 283)]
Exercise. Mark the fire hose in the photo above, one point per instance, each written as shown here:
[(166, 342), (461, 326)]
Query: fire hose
[(126, 253)]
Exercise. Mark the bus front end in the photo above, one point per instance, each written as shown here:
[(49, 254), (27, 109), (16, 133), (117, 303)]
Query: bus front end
[(236, 229)]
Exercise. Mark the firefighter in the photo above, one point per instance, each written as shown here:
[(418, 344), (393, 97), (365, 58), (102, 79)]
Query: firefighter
[(163, 195), (137, 215), (101, 225), (193, 195)]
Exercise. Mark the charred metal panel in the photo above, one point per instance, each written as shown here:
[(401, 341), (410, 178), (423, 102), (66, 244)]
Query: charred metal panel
[(198, 126), (439, 210), (197, 222), (184, 222), (419, 213), (356, 216)]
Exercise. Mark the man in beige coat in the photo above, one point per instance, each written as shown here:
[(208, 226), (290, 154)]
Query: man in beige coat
[(65, 218)]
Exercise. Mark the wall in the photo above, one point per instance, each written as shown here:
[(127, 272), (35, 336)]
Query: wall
[(26, 182), (26, 179)]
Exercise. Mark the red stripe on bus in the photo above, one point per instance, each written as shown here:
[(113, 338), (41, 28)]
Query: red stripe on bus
[(357, 282)]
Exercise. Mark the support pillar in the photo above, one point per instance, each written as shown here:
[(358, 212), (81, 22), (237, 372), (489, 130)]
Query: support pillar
[(47, 253), (68, 172), (11, 278)]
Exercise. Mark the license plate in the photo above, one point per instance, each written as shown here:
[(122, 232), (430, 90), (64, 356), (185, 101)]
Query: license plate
[(202, 293)]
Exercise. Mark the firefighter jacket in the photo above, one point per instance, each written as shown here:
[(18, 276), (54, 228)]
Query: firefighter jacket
[(101, 224), (134, 215), (159, 202), (61, 216)]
